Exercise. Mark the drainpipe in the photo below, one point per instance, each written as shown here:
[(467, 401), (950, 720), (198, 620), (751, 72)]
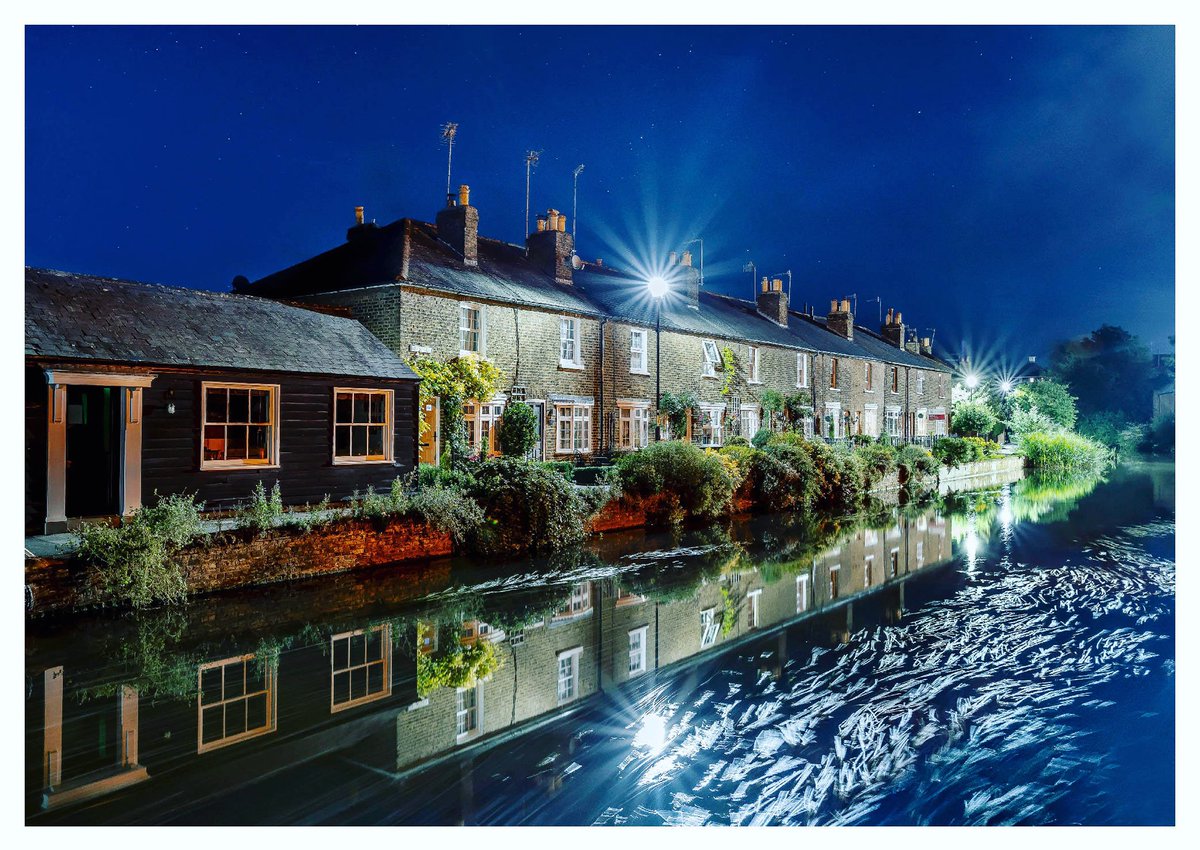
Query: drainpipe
[(907, 378), (517, 337), (603, 428)]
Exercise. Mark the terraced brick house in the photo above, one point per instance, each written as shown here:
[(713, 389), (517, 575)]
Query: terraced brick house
[(578, 341)]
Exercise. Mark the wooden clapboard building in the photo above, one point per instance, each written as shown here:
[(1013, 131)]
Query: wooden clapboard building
[(134, 389)]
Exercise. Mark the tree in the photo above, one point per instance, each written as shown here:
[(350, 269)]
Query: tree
[(1108, 370), (1049, 398), (974, 419), (518, 432)]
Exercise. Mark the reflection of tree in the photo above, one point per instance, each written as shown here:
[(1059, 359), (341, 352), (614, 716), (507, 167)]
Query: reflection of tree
[(454, 665)]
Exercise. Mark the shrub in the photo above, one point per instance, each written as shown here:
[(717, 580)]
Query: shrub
[(1048, 398), (1028, 421), (880, 460), (310, 517), (737, 440), (518, 431), (915, 462), (675, 407), (1161, 437), (445, 476), (263, 511), (134, 562), (1065, 451), (1113, 430), (982, 449), (696, 483), (761, 438), (563, 467), (376, 507), (974, 419), (952, 451), (446, 509), (528, 508), (783, 477)]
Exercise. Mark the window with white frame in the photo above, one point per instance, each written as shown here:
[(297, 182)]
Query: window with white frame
[(481, 421), (362, 425), (749, 420), (833, 420), (801, 369), (712, 359), (568, 674), (239, 425), (711, 422), (891, 421), (569, 354), (579, 604), (894, 566), (753, 367), (574, 428), (920, 383), (637, 650), (806, 422), (236, 700), (468, 711), (633, 424), (834, 573), (871, 420), (708, 627), (637, 352), (801, 594), (360, 667), (752, 608), (470, 329), (920, 554), (868, 570)]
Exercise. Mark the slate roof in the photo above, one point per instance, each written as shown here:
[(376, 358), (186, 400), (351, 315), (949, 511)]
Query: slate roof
[(82, 317)]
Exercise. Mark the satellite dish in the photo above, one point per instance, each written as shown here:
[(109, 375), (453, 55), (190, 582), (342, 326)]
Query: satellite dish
[(576, 263)]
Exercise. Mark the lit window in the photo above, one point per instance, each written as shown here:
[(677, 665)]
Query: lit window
[(754, 353), (481, 421), (708, 627), (801, 594), (360, 667), (239, 425), (236, 701), (579, 604), (568, 675), (920, 554), (833, 373), (749, 420), (467, 712), (569, 355), (362, 425), (712, 418), (633, 425), (637, 651), (834, 570), (637, 352), (574, 428), (712, 359), (801, 369), (470, 329)]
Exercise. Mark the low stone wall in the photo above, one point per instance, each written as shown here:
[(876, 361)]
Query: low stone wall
[(241, 559), (981, 473)]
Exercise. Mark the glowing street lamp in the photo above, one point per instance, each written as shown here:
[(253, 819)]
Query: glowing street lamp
[(972, 381), (1006, 386), (658, 288)]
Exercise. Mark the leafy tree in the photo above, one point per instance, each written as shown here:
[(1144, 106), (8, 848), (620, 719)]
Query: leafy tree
[(974, 419), (1049, 398), (1109, 369), (518, 432)]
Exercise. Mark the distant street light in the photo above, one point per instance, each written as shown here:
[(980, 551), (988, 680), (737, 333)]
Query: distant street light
[(972, 381), (1006, 386), (658, 288)]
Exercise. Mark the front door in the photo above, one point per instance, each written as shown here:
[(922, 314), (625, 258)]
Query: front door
[(539, 412), (93, 451), (431, 439)]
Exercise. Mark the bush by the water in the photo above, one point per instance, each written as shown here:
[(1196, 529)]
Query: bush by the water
[(529, 508), (134, 562), (695, 482), (1065, 450), (955, 451), (1113, 430)]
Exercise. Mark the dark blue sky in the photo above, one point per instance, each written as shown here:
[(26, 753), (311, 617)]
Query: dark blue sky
[(1007, 186)]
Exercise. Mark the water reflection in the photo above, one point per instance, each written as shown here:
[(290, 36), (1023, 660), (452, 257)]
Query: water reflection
[(372, 679)]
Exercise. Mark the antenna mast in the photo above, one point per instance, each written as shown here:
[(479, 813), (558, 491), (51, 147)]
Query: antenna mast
[(750, 267), (574, 202), (531, 158), (449, 131), (701, 241)]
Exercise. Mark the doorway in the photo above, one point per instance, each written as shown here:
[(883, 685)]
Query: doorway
[(431, 440), (539, 413), (93, 451)]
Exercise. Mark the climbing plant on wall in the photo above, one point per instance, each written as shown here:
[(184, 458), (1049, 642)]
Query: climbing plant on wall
[(454, 381)]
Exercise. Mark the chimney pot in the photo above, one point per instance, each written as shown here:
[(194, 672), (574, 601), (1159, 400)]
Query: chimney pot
[(686, 258), (551, 247), (541, 224), (777, 284), (562, 223), (671, 259), (765, 286), (599, 263), (833, 306), (358, 215), (552, 219), (898, 319), (464, 195)]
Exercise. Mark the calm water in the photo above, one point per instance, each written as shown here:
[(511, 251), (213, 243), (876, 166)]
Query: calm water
[(1005, 657)]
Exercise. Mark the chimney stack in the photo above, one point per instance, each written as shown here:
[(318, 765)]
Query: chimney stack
[(551, 247), (927, 346), (458, 225), (893, 329), (772, 301), (911, 345), (360, 226), (686, 258), (840, 320)]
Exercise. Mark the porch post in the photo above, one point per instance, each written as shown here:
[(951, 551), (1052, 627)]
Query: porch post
[(131, 455), (56, 459)]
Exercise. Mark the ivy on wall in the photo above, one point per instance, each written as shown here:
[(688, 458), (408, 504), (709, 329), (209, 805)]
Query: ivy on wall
[(454, 381)]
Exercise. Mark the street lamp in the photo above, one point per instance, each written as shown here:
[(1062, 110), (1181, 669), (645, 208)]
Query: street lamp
[(658, 288), (1006, 386), (972, 381)]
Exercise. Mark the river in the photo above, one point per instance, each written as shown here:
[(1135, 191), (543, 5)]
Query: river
[(1004, 656)]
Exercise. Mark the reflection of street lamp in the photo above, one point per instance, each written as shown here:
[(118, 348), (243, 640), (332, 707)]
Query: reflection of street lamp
[(658, 288)]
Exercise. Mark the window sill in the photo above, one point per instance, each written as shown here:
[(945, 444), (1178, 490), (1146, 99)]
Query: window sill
[(225, 466), (754, 383), (639, 371), (870, 391), (345, 461), (566, 364), (465, 353), (586, 451), (706, 375)]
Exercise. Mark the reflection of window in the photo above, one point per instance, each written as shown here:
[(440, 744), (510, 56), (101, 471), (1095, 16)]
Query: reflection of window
[(895, 566), (579, 603), (801, 594), (920, 554), (236, 700), (568, 674), (752, 611), (834, 569), (868, 568), (708, 627), (870, 537), (467, 711), (470, 329), (239, 425), (360, 667), (637, 651), (637, 352), (633, 428), (625, 597), (473, 630), (574, 428), (362, 425), (712, 359)]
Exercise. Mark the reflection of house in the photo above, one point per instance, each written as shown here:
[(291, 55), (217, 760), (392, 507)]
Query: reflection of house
[(132, 389), (1164, 401)]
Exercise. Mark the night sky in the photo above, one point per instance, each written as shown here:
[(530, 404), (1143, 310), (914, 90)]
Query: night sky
[(1007, 186)]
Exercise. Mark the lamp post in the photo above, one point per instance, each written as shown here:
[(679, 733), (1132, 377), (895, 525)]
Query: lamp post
[(658, 288)]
